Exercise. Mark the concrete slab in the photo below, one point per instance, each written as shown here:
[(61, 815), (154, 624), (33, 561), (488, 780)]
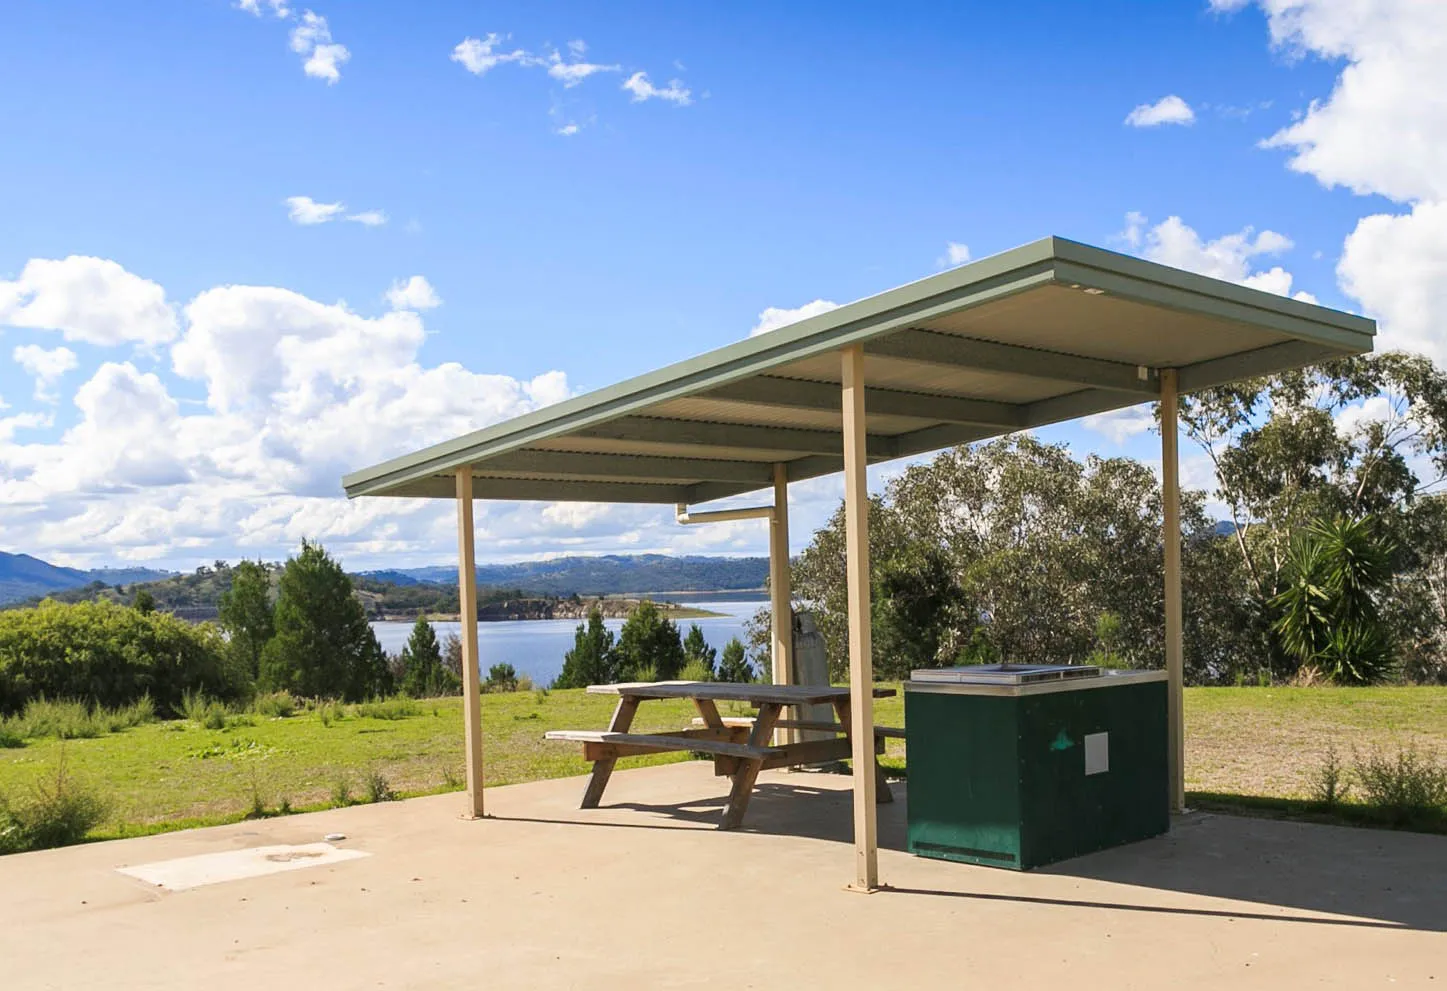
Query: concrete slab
[(644, 893), (185, 873)]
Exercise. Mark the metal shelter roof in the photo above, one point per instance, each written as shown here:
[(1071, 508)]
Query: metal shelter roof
[(1043, 333)]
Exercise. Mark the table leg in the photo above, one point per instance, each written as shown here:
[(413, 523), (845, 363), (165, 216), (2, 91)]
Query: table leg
[(748, 770), (882, 794), (603, 769)]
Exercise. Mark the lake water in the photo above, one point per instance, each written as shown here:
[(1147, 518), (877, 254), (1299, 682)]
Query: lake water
[(535, 647)]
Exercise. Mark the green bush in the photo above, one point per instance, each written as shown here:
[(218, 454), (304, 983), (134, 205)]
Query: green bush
[(501, 678), (275, 705), (103, 654), (1405, 787), (396, 707), (204, 712), (379, 789), (58, 812), (696, 670), (9, 736)]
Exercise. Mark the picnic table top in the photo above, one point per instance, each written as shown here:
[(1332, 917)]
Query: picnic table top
[(722, 691)]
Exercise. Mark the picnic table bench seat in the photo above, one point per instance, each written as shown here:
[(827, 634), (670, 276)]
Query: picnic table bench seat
[(740, 747)]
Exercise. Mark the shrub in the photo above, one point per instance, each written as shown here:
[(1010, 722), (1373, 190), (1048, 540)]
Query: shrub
[(204, 712), (379, 789), (696, 670), (342, 791), (275, 705), (103, 654), (58, 812), (501, 678), (525, 684), (329, 712), (396, 707), (1405, 787), (1329, 786), (64, 720), (10, 736)]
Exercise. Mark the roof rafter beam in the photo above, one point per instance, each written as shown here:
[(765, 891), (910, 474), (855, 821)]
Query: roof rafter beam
[(967, 353), (630, 467), (789, 442), (797, 394)]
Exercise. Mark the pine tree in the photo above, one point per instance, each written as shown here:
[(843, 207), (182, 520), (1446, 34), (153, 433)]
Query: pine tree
[(649, 645), (592, 661), (423, 674), (735, 666), (323, 645), (246, 614), (696, 648)]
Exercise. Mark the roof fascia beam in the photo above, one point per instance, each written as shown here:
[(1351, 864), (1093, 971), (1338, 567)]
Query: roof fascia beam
[(968, 353), (797, 394), (789, 442), (627, 467)]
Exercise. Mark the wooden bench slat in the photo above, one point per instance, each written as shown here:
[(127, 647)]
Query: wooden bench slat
[(663, 742), (827, 727)]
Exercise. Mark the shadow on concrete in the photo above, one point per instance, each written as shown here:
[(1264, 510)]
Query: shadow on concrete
[(1381, 879)]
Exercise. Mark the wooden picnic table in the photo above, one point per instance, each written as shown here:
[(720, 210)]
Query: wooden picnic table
[(740, 750)]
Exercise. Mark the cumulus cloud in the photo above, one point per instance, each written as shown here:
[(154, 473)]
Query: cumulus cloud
[(1231, 257), (1396, 266), (296, 392), (1167, 110), (414, 294), (277, 7), (312, 39), (1120, 425), (308, 212), (478, 55), (1381, 130), (773, 317), (45, 366), (955, 254), (88, 299), (575, 68), (640, 89)]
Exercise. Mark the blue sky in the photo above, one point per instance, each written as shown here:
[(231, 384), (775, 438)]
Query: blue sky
[(822, 152)]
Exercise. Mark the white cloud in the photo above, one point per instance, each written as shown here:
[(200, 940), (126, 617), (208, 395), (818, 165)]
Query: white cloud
[(479, 55), (87, 299), (1381, 130), (955, 254), (312, 38), (277, 7), (571, 73), (567, 130), (1121, 425), (45, 366), (1167, 110), (307, 211), (1230, 257), (414, 294), (774, 317), (641, 89), (297, 392), (1396, 266)]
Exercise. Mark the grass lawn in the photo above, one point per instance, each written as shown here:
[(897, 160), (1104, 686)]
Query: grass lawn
[(1242, 743)]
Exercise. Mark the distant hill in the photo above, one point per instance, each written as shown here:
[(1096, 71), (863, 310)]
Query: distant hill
[(611, 574), (195, 595), (25, 577)]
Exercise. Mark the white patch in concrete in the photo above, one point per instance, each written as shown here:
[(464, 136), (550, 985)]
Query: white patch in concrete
[(184, 873)]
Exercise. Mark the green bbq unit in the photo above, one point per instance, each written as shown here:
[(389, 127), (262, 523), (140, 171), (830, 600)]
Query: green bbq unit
[(1018, 766)]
